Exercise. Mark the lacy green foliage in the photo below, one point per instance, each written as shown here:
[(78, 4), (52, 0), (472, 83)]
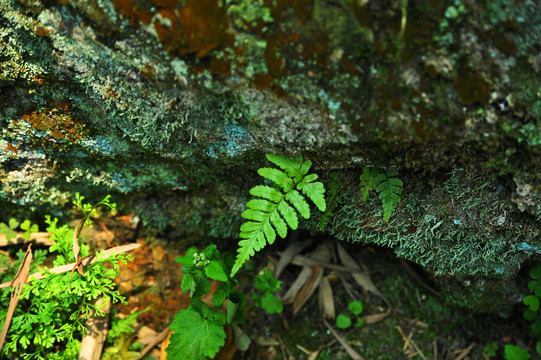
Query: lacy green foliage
[(273, 211), (333, 198), (198, 330), (460, 229), (120, 337), (9, 229), (386, 185), (49, 320)]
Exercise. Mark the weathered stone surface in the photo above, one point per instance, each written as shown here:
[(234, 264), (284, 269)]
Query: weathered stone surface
[(172, 104)]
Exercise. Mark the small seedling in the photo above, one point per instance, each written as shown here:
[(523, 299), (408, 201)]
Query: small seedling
[(344, 321)]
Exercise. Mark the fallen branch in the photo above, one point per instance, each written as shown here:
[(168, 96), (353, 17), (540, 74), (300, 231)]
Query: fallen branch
[(41, 238), (86, 261)]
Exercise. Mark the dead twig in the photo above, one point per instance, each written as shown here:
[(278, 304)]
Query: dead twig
[(86, 261)]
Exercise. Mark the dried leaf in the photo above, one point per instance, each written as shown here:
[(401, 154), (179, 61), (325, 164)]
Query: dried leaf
[(94, 339), (302, 278), (308, 289), (321, 253), (326, 299), (375, 318), (360, 278), (289, 253), (17, 283), (157, 338)]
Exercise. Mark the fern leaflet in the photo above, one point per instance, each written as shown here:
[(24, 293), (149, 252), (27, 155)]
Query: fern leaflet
[(386, 185), (275, 209)]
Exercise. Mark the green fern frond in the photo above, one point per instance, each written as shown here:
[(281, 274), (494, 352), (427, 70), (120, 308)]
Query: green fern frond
[(274, 210), (333, 197), (386, 185)]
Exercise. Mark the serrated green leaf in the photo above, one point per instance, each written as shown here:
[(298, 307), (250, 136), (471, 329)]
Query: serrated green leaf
[(532, 301), (267, 192), (296, 199), (200, 285), (512, 352), (219, 297), (215, 271), (315, 192), (343, 321), (255, 215), (269, 232), (279, 224), (271, 303), (261, 204), (196, 337), (356, 307), (247, 249), (367, 183), (289, 215), (278, 177), (187, 259), (292, 167), (389, 190)]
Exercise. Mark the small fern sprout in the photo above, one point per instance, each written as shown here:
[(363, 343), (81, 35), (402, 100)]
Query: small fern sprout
[(274, 209), (387, 185)]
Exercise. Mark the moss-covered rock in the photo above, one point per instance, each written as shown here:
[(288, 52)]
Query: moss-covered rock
[(172, 104)]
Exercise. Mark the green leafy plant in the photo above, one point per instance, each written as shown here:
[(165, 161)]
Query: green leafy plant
[(513, 352), (267, 285), (120, 337), (198, 331), (49, 321), (273, 211), (387, 185), (344, 321)]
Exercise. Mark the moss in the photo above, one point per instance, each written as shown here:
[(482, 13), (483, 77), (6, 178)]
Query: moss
[(463, 230)]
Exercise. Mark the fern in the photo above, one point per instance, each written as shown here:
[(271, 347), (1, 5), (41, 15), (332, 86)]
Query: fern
[(386, 185), (334, 198), (274, 209)]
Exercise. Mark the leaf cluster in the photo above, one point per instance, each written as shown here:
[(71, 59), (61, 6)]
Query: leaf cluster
[(9, 229), (344, 321), (533, 301), (204, 324), (267, 285), (274, 208), (386, 184)]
